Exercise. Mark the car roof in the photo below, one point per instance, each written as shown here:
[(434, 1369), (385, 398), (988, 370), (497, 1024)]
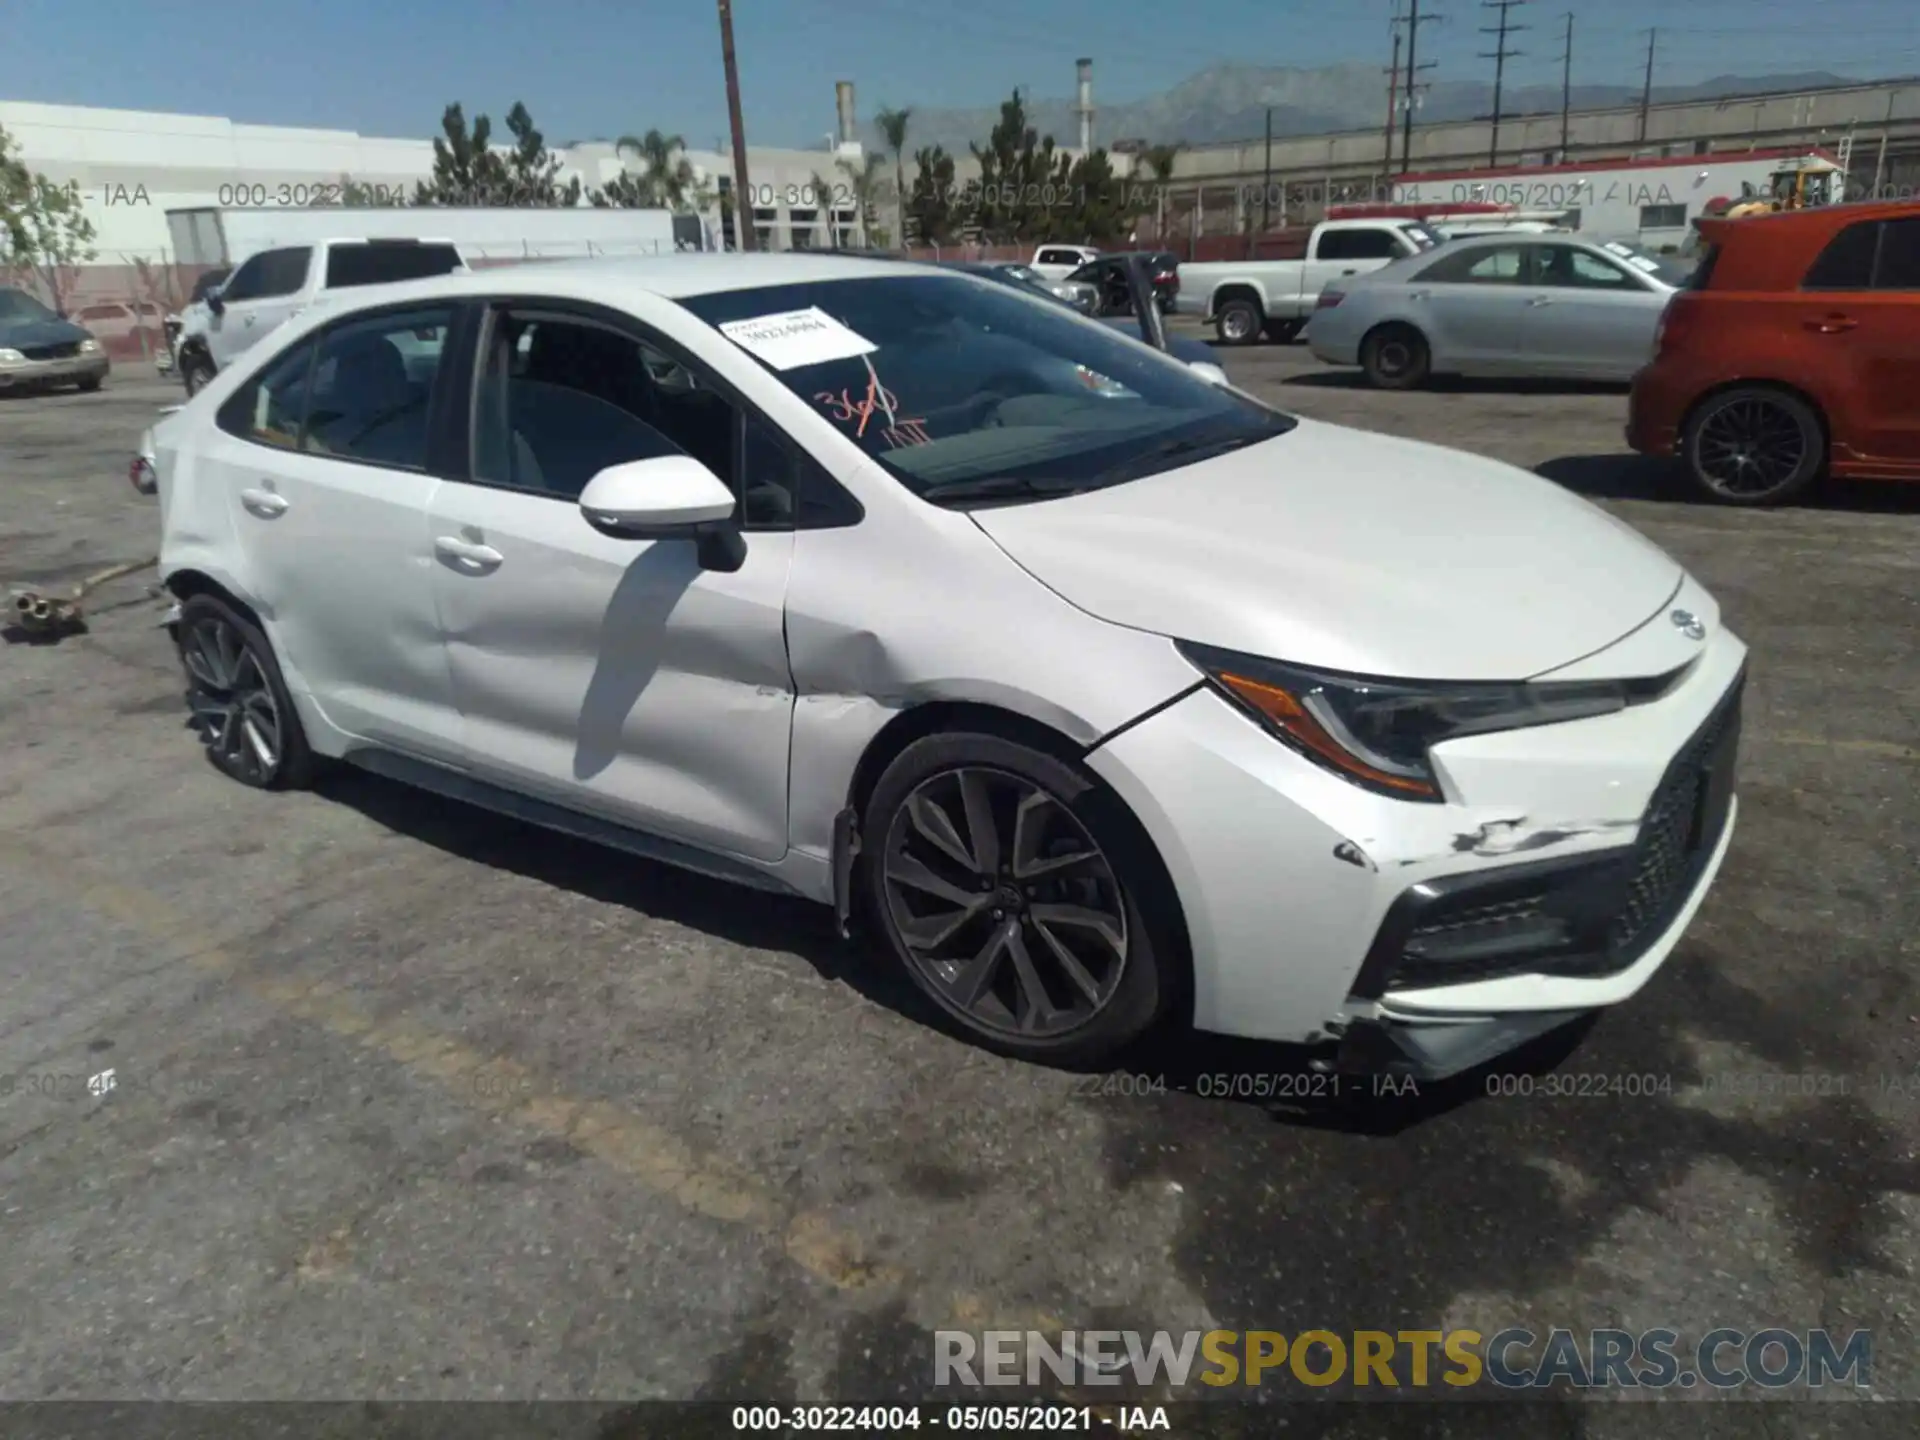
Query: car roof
[(671, 277)]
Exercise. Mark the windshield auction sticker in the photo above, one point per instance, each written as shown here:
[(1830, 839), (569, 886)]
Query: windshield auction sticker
[(796, 338)]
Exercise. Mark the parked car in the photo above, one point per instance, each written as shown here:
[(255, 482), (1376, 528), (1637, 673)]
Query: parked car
[(195, 312), (1194, 352), (273, 285), (1245, 299), (1107, 277), (1095, 702), (1082, 297), (1056, 262), (39, 350), (1793, 354), (125, 330), (1524, 305)]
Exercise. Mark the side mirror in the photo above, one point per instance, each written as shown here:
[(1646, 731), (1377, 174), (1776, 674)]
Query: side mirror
[(670, 497), (216, 302), (1146, 306)]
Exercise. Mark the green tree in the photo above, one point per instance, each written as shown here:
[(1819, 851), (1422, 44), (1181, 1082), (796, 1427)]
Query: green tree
[(1018, 186), (893, 130), (468, 170), (666, 175), (933, 212), (1095, 204), (45, 235)]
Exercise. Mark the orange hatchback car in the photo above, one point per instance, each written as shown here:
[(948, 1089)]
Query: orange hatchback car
[(1794, 353)]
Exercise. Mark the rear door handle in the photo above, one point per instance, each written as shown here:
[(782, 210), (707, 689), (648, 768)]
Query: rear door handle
[(264, 503), (467, 553), (1832, 325), (1537, 301)]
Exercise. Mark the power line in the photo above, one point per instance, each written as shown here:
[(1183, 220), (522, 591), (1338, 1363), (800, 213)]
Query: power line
[(1499, 55)]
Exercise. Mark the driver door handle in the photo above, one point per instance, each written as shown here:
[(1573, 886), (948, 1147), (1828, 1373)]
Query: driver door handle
[(264, 503), (467, 553), (1537, 301), (1832, 325)]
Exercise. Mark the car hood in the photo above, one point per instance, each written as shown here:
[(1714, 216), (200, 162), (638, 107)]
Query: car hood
[(1350, 551), (15, 334)]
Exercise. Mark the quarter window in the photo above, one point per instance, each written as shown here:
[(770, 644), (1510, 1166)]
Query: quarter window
[(271, 408), (1499, 266), (1847, 262), (1899, 267)]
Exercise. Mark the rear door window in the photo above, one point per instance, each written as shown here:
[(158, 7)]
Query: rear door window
[(373, 385), (386, 264), (271, 408), (1847, 262)]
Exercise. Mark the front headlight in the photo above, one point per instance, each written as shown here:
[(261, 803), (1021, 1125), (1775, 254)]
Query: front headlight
[(88, 347), (12, 357), (1378, 733)]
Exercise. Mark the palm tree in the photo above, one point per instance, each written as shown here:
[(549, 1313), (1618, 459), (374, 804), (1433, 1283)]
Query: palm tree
[(864, 179), (893, 130), (668, 175)]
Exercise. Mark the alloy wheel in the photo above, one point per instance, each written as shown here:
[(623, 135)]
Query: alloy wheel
[(1238, 323), (1393, 358), (1748, 447), (1005, 903), (231, 701)]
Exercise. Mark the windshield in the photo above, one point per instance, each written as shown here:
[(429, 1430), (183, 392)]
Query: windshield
[(17, 307), (1668, 269), (968, 392)]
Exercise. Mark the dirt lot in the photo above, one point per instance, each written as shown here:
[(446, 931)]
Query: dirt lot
[(413, 1102)]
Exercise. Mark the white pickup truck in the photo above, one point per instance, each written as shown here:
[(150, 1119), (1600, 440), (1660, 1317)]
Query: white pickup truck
[(1248, 298), (274, 285), (1056, 262)]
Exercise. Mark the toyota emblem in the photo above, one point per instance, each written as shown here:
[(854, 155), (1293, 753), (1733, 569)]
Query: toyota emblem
[(1689, 624)]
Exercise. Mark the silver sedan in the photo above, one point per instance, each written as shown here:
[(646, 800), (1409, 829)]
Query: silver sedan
[(1538, 305)]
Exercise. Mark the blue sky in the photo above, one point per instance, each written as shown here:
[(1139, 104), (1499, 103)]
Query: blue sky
[(603, 67)]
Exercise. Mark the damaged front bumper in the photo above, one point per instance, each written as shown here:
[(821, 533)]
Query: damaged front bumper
[(1563, 869)]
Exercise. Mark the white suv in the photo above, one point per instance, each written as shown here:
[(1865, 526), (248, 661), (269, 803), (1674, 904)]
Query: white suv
[(1102, 692), (275, 285)]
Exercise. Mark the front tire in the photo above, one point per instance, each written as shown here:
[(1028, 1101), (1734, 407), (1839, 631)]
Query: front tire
[(237, 698), (1239, 322), (90, 384), (1006, 883), (1396, 357), (1753, 446)]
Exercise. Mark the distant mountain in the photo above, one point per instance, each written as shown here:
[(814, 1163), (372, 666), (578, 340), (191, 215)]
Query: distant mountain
[(1229, 102)]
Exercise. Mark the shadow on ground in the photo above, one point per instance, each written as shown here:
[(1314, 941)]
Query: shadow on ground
[(1626, 476)]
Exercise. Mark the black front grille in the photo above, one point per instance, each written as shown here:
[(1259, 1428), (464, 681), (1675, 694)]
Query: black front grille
[(1588, 915), (1679, 828), (65, 350)]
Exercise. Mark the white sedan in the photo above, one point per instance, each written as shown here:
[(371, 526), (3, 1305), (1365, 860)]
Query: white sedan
[(1102, 694)]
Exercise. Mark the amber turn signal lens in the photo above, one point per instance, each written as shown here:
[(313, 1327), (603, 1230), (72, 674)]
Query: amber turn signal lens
[(1290, 717)]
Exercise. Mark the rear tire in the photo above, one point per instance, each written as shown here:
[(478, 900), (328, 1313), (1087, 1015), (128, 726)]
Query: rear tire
[(1753, 446), (1239, 322), (1396, 357), (237, 698), (1006, 882)]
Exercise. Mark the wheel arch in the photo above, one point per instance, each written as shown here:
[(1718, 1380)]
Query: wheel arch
[(1227, 291), (938, 717)]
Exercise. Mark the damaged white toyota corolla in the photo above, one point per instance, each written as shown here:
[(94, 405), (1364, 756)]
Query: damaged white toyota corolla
[(1105, 693)]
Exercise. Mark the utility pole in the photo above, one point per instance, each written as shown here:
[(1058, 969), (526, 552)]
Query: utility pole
[(1566, 90), (743, 227), (1266, 183), (1500, 55), (1393, 99), (1414, 21), (1646, 88)]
